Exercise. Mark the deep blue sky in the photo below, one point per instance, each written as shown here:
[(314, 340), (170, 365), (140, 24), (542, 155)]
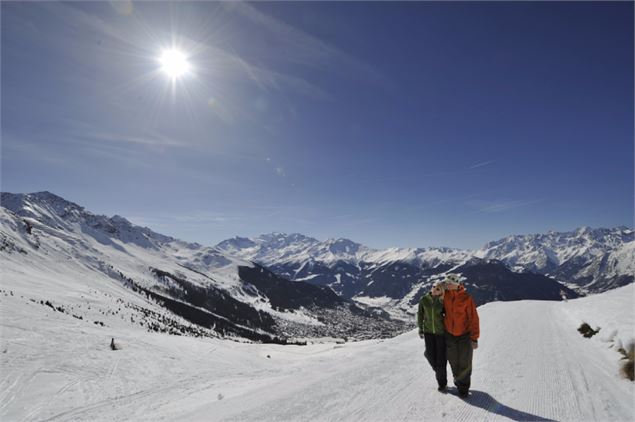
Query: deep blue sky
[(393, 124)]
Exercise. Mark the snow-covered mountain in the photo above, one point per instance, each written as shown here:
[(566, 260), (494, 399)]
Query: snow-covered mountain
[(585, 260), (593, 260), (285, 248), (197, 288), (350, 269), (241, 286)]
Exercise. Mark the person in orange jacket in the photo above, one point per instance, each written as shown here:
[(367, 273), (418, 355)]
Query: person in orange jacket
[(461, 332)]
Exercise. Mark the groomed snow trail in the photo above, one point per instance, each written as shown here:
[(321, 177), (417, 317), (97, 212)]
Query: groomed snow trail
[(532, 364)]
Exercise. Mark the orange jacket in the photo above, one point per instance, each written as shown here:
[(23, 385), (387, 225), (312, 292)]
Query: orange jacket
[(460, 313)]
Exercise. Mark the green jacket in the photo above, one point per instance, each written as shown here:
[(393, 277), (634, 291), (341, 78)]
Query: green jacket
[(430, 315)]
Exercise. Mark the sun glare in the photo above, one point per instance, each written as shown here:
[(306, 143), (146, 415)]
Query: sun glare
[(174, 63)]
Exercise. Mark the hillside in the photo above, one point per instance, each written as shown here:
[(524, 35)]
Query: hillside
[(55, 250), (532, 364)]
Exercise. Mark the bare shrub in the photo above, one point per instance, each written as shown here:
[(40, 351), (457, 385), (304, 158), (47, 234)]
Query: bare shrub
[(586, 330)]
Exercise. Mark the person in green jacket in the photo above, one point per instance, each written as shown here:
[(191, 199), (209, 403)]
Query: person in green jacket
[(431, 329)]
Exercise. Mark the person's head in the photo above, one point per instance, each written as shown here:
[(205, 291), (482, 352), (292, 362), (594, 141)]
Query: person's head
[(452, 282), (438, 289)]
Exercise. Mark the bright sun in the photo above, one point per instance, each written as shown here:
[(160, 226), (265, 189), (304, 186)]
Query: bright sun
[(174, 63)]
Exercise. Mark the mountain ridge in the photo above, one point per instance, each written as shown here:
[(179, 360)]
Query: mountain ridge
[(202, 285), (588, 260), (392, 278)]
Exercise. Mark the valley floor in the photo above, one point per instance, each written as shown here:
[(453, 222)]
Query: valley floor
[(532, 364)]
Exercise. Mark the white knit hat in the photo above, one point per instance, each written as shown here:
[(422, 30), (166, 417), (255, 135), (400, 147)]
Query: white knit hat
[(451, 279)]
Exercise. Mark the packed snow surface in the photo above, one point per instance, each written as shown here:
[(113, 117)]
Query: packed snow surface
[(532, 364)]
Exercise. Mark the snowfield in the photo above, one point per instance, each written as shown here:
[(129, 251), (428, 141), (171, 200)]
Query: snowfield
[(532, 364)]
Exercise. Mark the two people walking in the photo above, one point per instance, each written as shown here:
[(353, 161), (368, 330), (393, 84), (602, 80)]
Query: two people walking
[(449, 324)]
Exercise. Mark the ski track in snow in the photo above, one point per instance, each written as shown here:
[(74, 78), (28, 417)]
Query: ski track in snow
[(532, 364)]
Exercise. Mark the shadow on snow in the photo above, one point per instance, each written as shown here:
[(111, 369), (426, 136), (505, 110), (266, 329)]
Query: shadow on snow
[(489, 403)]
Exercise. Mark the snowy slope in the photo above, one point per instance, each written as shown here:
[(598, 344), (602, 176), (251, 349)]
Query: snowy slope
[(531, 365), (66, 248), (611, 312), (62, 229)]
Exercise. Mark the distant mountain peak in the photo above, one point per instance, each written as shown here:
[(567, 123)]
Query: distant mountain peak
[(119, 219), (343, 246), (45, 194), (55, 211), (284, 237), (340, 240), (41, 205), (16, 200)]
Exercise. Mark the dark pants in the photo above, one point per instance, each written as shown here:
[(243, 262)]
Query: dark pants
[(436, 355), (460, 358)]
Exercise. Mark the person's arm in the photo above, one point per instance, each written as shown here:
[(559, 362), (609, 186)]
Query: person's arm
[(475, 329), (420, 317)]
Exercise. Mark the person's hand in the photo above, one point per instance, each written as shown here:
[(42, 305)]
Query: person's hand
[(421, 336), (474, 345)]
